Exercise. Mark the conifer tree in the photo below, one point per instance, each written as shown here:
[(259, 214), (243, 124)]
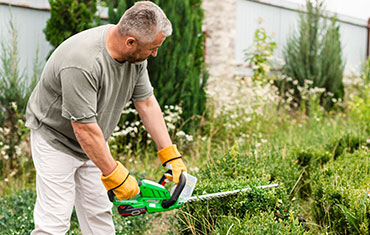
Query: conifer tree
[(68, 17), (177, 73), (315, 54)]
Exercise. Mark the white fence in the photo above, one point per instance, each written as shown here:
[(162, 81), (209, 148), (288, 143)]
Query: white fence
[(29, 18), (281, 18)]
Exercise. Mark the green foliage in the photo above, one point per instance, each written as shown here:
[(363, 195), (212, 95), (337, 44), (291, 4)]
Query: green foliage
[(131, 141), (15, 86), (16, 216), (348, 143), (15, 89), (358, 218), (365, 75), (117, 8), (314, 54), (309, 159), (68, 17), (177, 73), (260, 223), (232, 171), (259, 53), (342, 182), (360, 104), (16, 213)]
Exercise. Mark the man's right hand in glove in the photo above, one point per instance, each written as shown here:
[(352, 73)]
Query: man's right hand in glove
[(120, 181)]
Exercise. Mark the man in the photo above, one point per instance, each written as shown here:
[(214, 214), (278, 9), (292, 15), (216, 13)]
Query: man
[(74, 109)]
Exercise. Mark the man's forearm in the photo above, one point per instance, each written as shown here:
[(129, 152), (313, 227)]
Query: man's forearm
[(151, 115), (92, 141)]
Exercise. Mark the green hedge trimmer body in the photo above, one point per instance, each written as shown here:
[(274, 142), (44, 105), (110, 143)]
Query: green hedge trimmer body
[(154, 197)]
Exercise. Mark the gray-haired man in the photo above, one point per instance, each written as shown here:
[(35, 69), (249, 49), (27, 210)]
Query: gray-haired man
[(74, 109)]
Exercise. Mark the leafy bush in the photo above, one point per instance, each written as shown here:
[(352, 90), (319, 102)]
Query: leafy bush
[(309, 160), (68, 17), (341, 184), (177, 73), (260, 223), (314, 54), (348, 143), (232, 171), (358, 217)]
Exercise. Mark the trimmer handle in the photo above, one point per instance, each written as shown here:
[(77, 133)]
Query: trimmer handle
[(166, 203), (111, 194)]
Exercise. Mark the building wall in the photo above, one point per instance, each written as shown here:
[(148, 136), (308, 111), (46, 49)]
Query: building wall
[(29, 18), (219, 26), (29, 23)]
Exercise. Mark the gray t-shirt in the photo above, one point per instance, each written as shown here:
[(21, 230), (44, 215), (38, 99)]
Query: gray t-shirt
[(83, 83)]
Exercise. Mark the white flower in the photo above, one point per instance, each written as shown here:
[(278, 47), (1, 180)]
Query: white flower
[(180, 133), (189, 138), (18, 150), (310, 82)]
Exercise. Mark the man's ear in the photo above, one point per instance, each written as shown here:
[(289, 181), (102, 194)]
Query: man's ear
[(131, 42)]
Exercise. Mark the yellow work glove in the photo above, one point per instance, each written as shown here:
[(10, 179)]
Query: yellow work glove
[(171, 159), (120, 181)]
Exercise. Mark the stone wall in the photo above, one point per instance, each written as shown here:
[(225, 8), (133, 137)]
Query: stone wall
[(219, 26)]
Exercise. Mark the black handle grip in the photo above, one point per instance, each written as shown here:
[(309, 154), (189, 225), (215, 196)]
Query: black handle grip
[(112, 196), (166, 203)]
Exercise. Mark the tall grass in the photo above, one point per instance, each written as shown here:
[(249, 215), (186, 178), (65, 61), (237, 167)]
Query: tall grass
[(15, 89)]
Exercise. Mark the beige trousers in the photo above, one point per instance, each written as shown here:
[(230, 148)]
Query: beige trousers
[(62, 182)]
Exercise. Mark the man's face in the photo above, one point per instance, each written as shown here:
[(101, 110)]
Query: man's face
[(143, 51)]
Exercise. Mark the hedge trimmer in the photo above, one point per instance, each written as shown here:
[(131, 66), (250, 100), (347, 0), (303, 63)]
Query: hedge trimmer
[(154, 197)]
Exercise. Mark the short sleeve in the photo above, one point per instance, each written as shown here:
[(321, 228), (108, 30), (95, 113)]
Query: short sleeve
[(143, 88), (79, 95)]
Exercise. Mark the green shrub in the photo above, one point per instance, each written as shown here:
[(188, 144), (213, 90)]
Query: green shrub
[(261, 223), (358, 217), (348, 143), (68, 17), (232, 171), (341, 184), (309, 160), (177, 73), (314, 59)]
